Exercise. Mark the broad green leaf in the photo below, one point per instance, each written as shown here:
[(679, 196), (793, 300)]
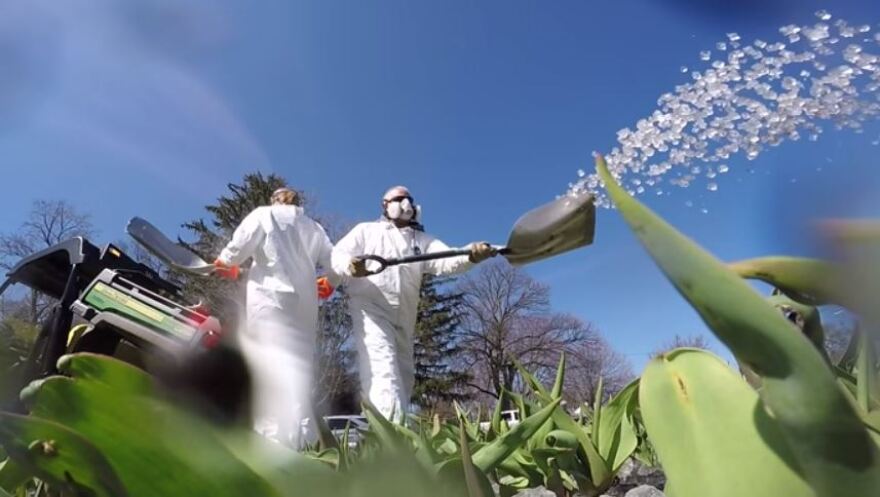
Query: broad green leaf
[(848, 360), (556, 392), (472, 475), (328, 456), (435, 429), (489, 456), (618, 439), (12, 475), (448, 447), (865, 374), (554, 481), (596, 422), (562, 439), (386, 475), (326, 439), (711, 432), (111, 372), (495, 424), (451, 477), (809, 281), (154, 448), (472, 429), (599, 471), (857, 245), (872, 421), (58, 455), (345, 455), (385, 430), (517, 466), (812, 321), (510, 490), (519, 402), (425, 452), (278, 465), (822, 428)]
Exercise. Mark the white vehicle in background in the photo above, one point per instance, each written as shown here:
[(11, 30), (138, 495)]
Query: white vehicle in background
[(355, 423), (511, 416)]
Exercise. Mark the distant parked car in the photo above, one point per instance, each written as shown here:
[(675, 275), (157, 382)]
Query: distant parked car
[(511, 416), (356, 425)]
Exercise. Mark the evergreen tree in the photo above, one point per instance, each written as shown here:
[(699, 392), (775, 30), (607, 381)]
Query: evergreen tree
[(438, 383)]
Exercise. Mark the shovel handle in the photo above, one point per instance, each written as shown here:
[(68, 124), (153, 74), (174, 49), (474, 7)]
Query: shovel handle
[(444, 254)]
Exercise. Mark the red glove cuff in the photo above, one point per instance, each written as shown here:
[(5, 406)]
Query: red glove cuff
[(325, 289), (224, 271)]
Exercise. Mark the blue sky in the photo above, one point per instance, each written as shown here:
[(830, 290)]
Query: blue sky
[(484, 109)]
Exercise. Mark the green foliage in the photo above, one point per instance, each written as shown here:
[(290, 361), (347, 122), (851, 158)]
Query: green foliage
[(710, 430), (809, 281), (16, 339), (570, 455), (58, 455), (800, 397), (105, 429)]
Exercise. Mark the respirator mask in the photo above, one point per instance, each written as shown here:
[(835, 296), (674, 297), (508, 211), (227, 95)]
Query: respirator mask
[(400, 209)]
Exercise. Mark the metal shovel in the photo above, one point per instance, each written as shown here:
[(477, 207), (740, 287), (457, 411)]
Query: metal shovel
[(564, 224), (156, 243)]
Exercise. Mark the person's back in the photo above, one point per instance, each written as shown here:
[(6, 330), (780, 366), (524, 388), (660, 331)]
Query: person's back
[(293, 246), (278, 340)]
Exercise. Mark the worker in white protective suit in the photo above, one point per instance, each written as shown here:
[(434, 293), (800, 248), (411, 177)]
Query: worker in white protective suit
[(278, 341), (383, 306)]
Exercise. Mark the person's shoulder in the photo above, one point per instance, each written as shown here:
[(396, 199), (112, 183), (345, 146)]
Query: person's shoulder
[(260, 212), (306, 219), (370, 226)]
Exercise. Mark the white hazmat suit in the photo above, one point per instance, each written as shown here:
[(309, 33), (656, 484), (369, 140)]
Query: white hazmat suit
[(384, 307), (278, 341)]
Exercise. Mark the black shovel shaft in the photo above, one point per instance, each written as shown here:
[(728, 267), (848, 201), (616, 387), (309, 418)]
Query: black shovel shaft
[(443, 254)]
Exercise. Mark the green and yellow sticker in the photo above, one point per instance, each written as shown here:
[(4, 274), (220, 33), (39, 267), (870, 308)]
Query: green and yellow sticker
[(106, 298)]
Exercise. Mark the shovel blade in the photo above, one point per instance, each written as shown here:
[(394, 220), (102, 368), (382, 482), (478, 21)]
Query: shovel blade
[(564, 224), (156, 243)]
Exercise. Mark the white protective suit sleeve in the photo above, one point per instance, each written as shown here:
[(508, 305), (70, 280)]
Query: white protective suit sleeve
[(450, 265), (247, 238), (325, 259), (351, 245)]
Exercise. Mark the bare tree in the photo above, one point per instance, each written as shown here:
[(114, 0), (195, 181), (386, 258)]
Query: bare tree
[(588, 363), (507, 316), (49, 222), (690, 341)]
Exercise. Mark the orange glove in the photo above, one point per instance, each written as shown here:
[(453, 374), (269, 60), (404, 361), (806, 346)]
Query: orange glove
[(325, 290), (222, 270)]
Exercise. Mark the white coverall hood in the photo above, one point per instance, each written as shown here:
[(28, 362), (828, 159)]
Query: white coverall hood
[(278, 340), (384, 307)]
